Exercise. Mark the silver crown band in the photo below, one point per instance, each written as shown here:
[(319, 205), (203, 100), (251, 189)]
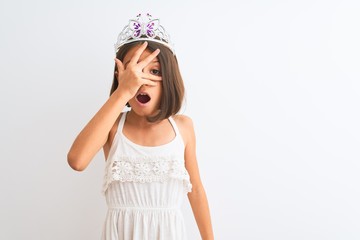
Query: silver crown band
[(140, 30)]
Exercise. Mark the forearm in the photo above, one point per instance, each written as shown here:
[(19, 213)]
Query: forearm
[(200, 208), (95, 133)]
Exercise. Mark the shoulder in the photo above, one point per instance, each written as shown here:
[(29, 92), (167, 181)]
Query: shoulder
[(186, 127), (183, 120)]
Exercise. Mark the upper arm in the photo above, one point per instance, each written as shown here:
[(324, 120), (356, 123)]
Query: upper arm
[(187, 131)]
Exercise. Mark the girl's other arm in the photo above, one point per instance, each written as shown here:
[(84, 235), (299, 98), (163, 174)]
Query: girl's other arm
[(197, 197)]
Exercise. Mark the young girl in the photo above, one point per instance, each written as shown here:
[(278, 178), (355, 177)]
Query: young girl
[(150, 150)]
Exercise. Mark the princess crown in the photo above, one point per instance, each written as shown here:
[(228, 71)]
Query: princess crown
[(144, 30)]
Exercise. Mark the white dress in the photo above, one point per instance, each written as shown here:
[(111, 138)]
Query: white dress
[(144, 188)]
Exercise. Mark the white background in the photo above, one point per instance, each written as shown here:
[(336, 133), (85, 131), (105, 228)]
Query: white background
[(273, 88)]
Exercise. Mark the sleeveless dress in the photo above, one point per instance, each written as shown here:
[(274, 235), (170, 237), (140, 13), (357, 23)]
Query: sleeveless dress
[(144, 188)]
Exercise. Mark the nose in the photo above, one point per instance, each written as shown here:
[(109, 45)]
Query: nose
[(143, 87)]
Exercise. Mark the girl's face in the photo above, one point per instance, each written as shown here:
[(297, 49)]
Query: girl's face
[(146, 102)]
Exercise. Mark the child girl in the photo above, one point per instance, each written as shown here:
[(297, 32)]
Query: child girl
[(150, 150)]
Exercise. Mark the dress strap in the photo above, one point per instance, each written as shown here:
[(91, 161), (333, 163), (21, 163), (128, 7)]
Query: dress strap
[(121, 122), (176, 129), (123, 117)]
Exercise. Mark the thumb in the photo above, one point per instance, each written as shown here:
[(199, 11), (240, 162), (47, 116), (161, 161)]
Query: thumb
[(119, 64)]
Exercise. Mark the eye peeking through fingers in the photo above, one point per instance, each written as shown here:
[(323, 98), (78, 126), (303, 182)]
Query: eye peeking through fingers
[(155, 72)]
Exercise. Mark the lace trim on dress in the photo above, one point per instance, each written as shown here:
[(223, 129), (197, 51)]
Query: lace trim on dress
[(145, 169)]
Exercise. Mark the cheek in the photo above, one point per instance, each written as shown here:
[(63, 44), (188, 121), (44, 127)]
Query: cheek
[(159, 91), (132, 101)]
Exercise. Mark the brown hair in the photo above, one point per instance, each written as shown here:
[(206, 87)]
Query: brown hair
[(172, 83)]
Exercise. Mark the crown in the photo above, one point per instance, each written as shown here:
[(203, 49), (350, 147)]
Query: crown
[(140, 29)]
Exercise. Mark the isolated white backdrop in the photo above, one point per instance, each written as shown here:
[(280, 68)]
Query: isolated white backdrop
[(272, 87)]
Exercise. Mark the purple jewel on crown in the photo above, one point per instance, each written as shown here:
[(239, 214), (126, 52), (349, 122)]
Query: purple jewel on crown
[(144, 29)]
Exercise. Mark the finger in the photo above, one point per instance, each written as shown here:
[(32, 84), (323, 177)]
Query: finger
[(148, 59), (151, 77), (149, 82), (138, 53), (119, 64)]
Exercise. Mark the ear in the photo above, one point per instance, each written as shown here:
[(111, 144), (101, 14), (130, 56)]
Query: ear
[(127, 104)]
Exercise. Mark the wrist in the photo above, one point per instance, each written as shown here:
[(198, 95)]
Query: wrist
[(125, 95)]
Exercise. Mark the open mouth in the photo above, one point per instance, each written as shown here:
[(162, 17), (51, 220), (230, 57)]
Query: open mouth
[(143, 98)]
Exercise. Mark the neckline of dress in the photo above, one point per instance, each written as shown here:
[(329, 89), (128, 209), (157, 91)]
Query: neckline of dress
[(122, 122)]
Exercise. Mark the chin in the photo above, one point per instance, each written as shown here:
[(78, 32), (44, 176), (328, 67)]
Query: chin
[(144, 111)]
